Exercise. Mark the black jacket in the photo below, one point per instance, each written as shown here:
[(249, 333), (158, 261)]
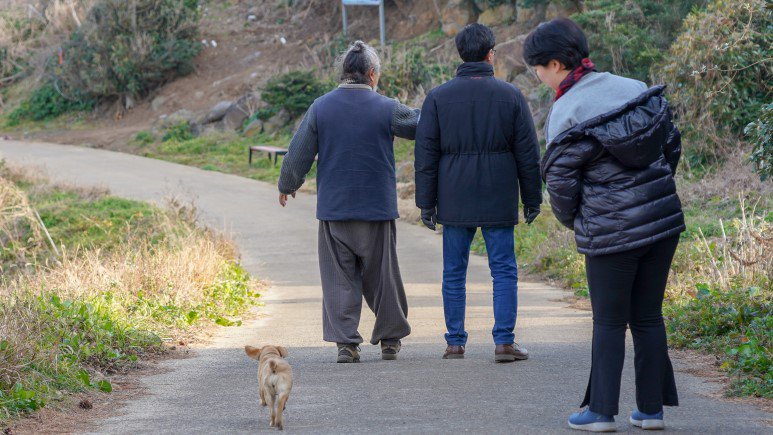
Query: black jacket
[(611, 178), (475, 144)]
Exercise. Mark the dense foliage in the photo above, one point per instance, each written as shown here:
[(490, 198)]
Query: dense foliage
[(737, 324), (47, 102), (293, 92), (628, 37), (129, 48), (719, 72), (408, 69)]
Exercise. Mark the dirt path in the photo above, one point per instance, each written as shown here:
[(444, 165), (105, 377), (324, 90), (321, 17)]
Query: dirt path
[(215, 392)]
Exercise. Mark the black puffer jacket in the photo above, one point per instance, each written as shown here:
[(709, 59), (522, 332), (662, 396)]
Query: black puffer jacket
[(611, 178)]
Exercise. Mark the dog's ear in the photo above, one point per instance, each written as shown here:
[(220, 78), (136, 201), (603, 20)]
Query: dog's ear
[(282, 351), (252, 352)]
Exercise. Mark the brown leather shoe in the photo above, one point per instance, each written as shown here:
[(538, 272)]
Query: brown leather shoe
[(454, 352), (510, 353)]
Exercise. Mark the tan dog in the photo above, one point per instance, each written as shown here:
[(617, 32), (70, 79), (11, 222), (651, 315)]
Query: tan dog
[(276, 380)]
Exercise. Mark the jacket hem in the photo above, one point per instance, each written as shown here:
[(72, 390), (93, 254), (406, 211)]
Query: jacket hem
[(595, 252), (358, 218), (477, 224)]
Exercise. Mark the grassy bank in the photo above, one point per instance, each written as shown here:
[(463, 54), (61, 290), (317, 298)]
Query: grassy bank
[(720, 293), (219, 151), (117, 279)]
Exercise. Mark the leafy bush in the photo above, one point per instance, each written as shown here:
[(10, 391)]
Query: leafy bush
[(628, 37), (45, 103), (144, 138), (130, 48), (719, 72), (180, 131), (760, 134), (294, 91), (405, 71), (735, 323)]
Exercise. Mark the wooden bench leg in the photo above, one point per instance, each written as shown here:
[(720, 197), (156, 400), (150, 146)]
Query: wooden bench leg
[(249, 157)]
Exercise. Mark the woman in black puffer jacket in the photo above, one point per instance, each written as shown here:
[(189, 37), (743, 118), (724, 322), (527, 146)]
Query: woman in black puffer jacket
[(609, 167)]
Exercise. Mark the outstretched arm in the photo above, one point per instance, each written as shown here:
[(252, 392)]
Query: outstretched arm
[(404, 121), (300, 156)]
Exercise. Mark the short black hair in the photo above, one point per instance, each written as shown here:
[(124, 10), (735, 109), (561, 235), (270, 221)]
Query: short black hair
[(560, 39), (474, 42)]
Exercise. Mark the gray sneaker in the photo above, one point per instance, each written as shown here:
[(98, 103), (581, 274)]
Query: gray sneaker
[(348, 353), (390, 349)]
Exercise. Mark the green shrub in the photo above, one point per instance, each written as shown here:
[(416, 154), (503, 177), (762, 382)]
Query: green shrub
[(144, 138), (130, 48), (719, 73), (760, 134), (735, 323), (294, 91), (45, 103), (180, 132), (403, 72), (628, 37)]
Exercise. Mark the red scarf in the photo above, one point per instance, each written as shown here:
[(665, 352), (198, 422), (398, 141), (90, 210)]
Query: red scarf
[(585, 67)]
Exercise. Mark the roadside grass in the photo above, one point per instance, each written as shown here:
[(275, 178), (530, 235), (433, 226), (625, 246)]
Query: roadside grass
[(222, 152), (128, 278), (720, 293)]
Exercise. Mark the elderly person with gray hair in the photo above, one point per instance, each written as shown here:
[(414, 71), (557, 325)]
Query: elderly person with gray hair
[(352, 130)]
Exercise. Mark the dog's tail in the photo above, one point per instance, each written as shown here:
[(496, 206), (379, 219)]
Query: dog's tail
[(275, 364), (252, 352)]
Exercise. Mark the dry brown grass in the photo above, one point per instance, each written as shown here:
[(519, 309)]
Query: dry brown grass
[(30, 31), (115, 303), (20, 233), (742, 257)]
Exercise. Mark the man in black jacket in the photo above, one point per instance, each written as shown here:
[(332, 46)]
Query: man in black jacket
[(475, 144)]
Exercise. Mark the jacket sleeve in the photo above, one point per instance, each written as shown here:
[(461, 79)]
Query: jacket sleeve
[(404, 121), (526, 151), (672, 149), (564, 179), (300, 155), (427, 155)]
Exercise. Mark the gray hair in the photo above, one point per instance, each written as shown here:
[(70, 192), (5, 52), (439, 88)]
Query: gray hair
[(356, 62)]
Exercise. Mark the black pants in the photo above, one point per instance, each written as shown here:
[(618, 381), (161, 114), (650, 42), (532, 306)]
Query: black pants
[(627, 288)]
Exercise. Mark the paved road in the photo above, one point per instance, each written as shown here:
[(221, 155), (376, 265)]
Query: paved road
[(215, 392)]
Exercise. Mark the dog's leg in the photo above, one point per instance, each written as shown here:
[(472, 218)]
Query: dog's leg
[(280, 407), (271, 409), (262, 399)]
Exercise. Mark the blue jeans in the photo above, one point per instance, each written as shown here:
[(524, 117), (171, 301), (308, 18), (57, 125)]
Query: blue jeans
[(501, 259)]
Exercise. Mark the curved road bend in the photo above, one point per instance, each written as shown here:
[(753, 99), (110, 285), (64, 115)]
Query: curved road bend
[(216, 391)]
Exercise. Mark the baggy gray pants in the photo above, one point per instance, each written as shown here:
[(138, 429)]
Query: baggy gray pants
[(359, 259)]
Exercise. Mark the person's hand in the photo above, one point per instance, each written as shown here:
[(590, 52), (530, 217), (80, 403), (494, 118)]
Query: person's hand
[(283, 198), (530, 213), (429, 218)]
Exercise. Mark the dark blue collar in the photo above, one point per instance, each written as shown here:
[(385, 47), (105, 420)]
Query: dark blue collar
[(475, 69)]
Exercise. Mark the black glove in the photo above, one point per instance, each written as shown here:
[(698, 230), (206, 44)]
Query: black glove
[(429, 218), (530, 213)]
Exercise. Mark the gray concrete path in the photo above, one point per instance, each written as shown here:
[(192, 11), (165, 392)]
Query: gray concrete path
[(216, 391)]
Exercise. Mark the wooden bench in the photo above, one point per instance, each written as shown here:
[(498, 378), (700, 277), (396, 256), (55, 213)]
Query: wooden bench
[(272, 152)]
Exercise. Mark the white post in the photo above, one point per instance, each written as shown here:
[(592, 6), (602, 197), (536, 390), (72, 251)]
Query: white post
[(343, 15), (381, 23)]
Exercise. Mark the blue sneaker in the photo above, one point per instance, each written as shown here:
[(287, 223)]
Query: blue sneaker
[(647, 421), (592, 422)]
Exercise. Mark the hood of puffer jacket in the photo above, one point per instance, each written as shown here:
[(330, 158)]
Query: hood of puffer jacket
[(634, 133)]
